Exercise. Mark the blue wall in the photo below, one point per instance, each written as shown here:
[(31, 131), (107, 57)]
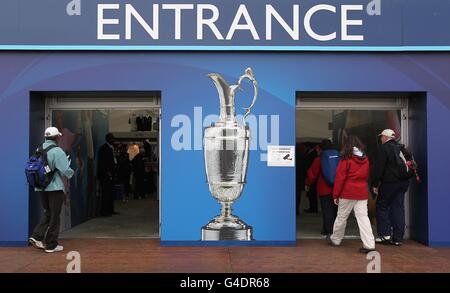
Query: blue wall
[(438, 176), (417, 126), (181, 78)]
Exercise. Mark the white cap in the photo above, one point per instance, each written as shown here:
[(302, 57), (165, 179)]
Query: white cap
[(52, 131), (388, 133)]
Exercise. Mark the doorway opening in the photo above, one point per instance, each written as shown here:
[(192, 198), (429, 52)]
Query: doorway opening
[(84, 119), (332, 116)]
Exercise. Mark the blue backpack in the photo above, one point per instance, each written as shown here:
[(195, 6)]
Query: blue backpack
[(38, 172), (328, 162)]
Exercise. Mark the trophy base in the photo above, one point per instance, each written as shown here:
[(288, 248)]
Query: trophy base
[(237, 231)]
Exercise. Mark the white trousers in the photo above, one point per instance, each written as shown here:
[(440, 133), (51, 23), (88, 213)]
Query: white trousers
[(365, 229)]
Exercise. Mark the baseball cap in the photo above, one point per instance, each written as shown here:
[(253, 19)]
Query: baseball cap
[(388, 133), (52, 131)]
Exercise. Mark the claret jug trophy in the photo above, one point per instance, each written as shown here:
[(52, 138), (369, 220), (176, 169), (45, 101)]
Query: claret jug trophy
[(226, 154)]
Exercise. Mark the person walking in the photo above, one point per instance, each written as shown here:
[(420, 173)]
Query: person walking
[(124, 171), (390, 190), (324, 190), (300, 174), (312, 152), (46, 233), (106, 167), (138, 166), (351, 193)]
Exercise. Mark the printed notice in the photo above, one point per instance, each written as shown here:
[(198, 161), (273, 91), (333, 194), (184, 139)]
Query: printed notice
[(280, 156)]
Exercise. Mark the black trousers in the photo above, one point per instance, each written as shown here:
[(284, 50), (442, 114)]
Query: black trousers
[(391, 210), (312, 196), (47, 230), (107, 197), (139, 187), (329, 213), (298, 196)]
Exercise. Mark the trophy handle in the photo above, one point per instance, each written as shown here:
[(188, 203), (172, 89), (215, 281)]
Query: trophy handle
[(250, 76)]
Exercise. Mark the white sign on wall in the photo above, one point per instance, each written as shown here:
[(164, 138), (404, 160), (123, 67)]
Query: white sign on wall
[(280, 156)]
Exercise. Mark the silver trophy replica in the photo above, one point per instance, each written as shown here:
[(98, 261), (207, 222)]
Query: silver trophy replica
[(226, 146)]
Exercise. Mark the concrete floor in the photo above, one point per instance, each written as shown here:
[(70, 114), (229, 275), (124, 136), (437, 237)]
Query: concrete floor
[(309, 226), (137, 219), (124, 243), (146, 255)]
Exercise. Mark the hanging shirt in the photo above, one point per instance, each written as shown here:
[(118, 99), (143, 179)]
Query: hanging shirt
[(132, 122), (140, 123), (144, 123), (149, 123)]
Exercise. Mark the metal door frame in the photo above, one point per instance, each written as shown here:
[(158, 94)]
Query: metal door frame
[(57, 101)]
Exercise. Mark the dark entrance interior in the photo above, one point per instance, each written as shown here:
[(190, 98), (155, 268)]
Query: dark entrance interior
[(332, 115), (84, 118)]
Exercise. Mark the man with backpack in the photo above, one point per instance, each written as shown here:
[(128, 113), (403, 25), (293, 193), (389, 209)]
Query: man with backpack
[(390, 182), (44, 171), (323, 171)]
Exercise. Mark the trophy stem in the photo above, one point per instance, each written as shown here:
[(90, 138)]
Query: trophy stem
[(227, 227), (226, 209)]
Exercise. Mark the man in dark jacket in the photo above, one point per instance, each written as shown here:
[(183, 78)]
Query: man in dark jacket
[(391, 192), (106, 166)]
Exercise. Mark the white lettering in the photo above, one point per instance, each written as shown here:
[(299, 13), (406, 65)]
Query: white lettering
[(101, 22), (131, 12), (178, 8), (310, 31), (208, 15), (209, 22), (242, 11), (293, 32), (345, 22)]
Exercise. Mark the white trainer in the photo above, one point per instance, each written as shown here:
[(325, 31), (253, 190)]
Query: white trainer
[(36, 243), (56, 249)]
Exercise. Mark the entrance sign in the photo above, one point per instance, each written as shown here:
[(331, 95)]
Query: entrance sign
[(288, 25)]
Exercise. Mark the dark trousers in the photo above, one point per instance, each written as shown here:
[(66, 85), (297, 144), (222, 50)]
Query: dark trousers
[(107, 197), (298, 196), (391, 210), (312, 196), (47, 230), (329, 213), (139, 187)]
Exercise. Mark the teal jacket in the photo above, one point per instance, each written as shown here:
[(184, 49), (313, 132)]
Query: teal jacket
[(57, 160)]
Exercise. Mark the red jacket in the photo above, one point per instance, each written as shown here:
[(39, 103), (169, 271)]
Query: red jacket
[(314, 175), (351, 179)]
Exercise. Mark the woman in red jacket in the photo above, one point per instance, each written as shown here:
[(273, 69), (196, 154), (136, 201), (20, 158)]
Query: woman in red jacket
[(350, 192), (324, 191)]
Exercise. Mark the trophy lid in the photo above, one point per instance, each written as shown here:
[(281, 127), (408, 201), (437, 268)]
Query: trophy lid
[(227, 96)]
